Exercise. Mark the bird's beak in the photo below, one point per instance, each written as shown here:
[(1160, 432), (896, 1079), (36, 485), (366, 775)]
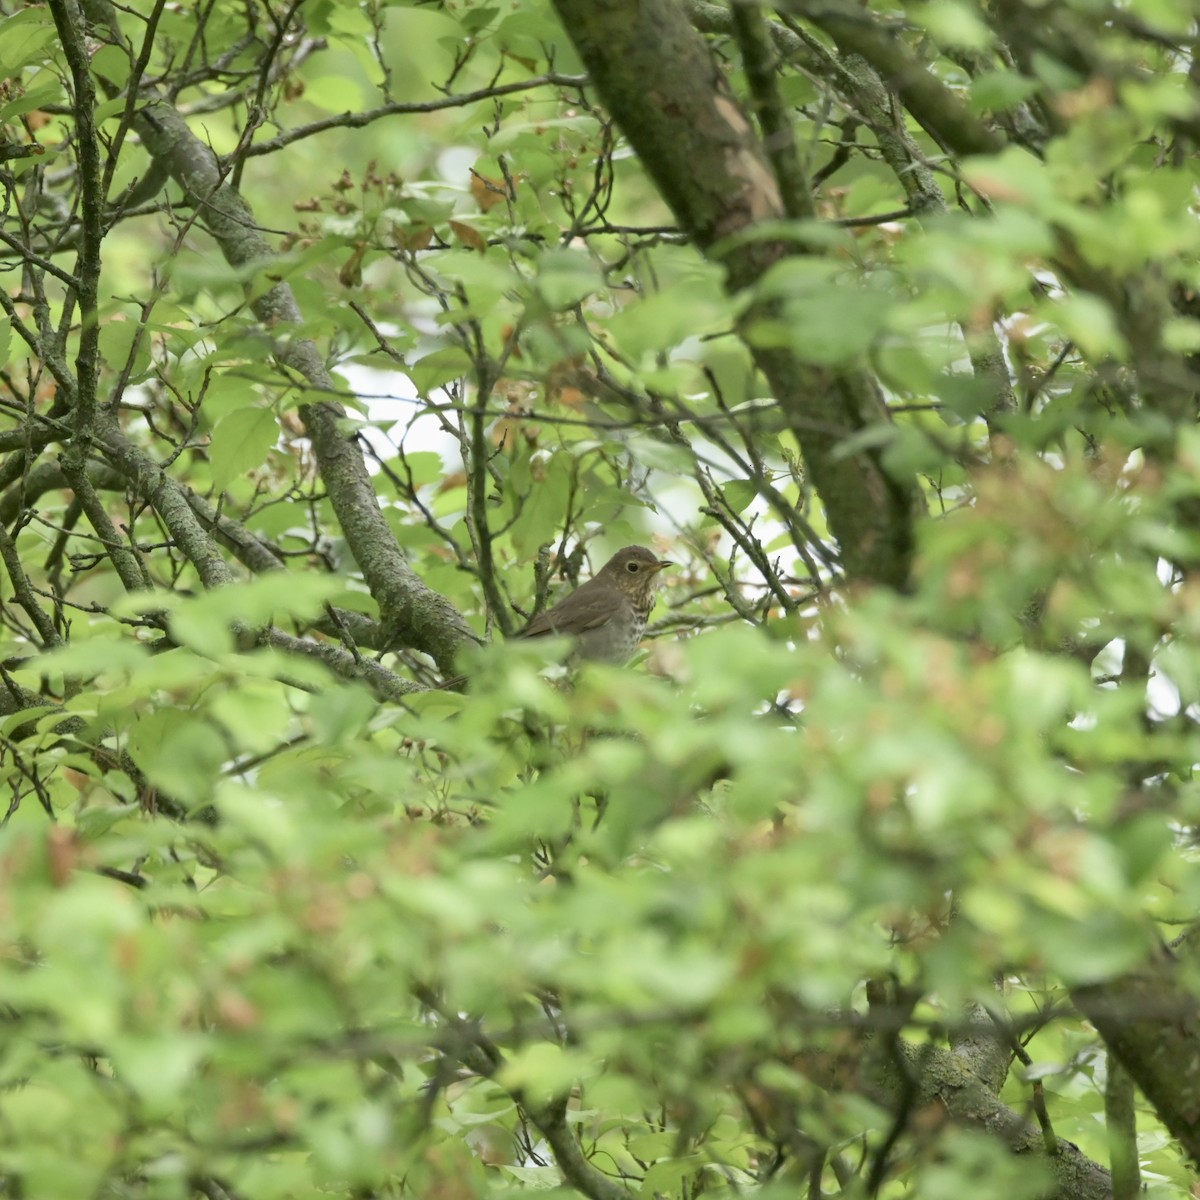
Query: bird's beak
[(662, 564)]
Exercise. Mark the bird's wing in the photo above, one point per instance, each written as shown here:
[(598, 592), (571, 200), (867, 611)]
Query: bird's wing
[(579, 613)]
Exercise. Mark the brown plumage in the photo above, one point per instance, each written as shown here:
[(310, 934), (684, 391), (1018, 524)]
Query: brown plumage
[(607, 615)]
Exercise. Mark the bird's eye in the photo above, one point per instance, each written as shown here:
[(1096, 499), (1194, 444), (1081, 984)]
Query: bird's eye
[(632, 568)]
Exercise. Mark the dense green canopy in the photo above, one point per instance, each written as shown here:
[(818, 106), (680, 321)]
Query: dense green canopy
[(339, 339)]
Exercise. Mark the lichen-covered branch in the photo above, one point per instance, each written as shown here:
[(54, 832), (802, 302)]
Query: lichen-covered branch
[(701, 152), (1150, 1022), (414, 614)]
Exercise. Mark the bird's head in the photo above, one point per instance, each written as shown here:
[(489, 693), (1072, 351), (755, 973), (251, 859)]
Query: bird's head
[(634, 570)]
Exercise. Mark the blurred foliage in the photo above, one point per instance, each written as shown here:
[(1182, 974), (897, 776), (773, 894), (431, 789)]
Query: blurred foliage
[(269, 935)]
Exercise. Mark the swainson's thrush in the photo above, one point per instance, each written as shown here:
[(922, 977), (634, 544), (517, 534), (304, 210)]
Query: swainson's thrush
[(607, 615)]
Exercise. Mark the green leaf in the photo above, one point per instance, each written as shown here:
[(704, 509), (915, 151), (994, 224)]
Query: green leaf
[(111, 63), (998, 90), (565, 277), (1089, 323), (542, 508), (335, 94), (157, 1068), (665, 319), (23, 36), (240, 443), (953, 24), (439, 368), (739, 494), (178, 753)]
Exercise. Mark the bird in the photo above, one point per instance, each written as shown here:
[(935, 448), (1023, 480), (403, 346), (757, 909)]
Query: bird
[(606, 616)]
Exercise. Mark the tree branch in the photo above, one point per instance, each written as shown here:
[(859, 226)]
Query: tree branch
[(700, 151), (940, 111), (941, 1079), (350, 120), (1150, 1022), (414, 614)]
